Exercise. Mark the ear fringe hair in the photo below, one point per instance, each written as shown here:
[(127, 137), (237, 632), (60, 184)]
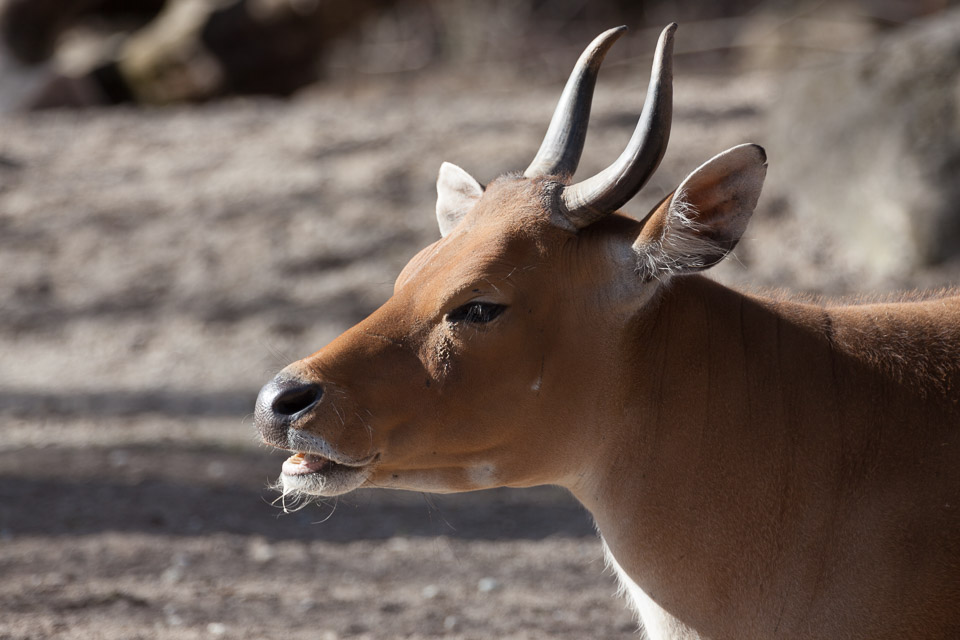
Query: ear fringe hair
[(684, 245)]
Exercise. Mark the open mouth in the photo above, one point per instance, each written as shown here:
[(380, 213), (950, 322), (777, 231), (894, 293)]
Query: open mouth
[(303, 463), (317, 475)]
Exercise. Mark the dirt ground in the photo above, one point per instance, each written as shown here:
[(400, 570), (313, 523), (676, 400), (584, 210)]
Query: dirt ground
[(157, 266)]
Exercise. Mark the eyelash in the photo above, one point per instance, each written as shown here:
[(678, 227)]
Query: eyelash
[(476, 312)]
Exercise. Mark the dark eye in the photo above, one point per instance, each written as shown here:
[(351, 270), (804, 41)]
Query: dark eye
[(476, 312)]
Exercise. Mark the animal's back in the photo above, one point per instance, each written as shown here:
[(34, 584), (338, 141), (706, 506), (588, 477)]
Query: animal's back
[(915, 342)]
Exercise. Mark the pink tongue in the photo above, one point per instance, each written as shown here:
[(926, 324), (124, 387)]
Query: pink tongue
[(303, 463)]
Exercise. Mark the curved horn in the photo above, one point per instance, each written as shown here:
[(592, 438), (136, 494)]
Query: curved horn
[(588, 201), (560, 150)]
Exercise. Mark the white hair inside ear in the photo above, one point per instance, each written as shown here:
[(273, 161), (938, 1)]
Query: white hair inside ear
[(705, 217), (457, 193)]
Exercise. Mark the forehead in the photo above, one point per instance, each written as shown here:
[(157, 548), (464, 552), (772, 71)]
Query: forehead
[(507, 229)]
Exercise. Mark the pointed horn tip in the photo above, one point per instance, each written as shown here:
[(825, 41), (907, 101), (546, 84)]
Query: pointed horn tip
[(663, 54), (668, 31), (606, 39)]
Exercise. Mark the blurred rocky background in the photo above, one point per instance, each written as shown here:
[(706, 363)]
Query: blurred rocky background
[(194, 193)]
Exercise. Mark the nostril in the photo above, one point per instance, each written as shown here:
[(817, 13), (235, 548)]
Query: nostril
[(296, 399)]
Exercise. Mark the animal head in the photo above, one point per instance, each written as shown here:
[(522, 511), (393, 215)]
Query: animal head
[(500, 349)]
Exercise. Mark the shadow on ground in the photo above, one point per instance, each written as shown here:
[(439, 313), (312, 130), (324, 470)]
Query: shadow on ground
[(170, 490)]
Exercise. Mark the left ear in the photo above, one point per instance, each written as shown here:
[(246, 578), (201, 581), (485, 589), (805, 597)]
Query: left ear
[(702, 221), (457, 192)]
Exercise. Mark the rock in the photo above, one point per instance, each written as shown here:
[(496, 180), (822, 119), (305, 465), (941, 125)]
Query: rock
[(486, 585), (866, 152)]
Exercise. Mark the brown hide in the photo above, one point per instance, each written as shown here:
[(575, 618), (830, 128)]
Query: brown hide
[(758, 468), (793, 468), (450, 408), (761, 468)]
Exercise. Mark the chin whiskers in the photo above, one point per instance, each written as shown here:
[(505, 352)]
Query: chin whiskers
[(433, 508), (291, 500), (333, 509)]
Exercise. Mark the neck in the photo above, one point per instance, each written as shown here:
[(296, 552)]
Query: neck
[(749, 428)]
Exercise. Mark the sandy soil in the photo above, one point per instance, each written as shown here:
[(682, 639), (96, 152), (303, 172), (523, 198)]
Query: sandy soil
[(158, 266)]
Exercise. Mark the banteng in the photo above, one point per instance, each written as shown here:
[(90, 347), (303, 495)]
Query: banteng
[(757, 468)]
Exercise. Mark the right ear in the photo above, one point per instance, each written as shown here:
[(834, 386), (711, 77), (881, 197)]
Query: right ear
[(457, 193), (701, 222)]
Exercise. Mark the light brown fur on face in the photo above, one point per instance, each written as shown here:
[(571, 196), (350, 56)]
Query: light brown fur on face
[(758, 467), (441, 400)]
